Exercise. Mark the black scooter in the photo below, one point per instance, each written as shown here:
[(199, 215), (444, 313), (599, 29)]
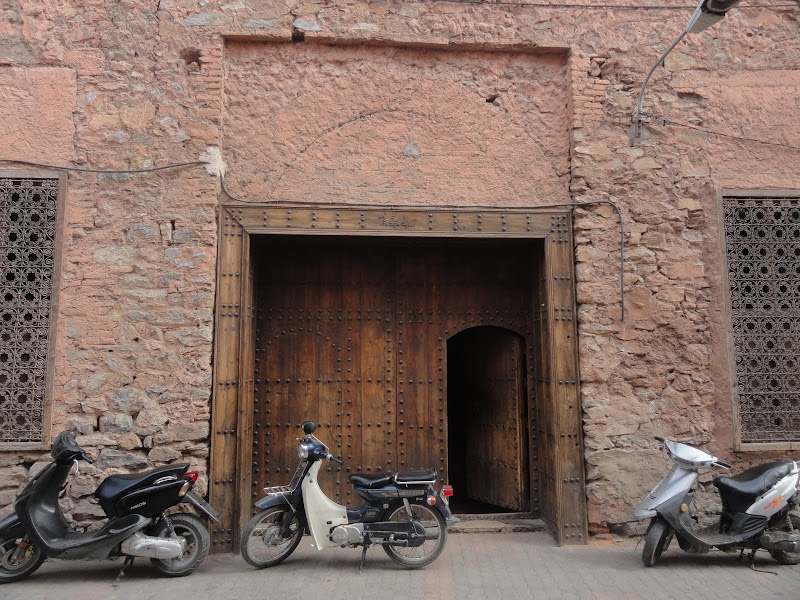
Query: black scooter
[(137, 525)]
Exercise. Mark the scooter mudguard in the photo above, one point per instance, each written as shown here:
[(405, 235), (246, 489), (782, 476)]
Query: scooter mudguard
[(269, 501), (279, 500), (443, 508), (202, 506), (11, 526)]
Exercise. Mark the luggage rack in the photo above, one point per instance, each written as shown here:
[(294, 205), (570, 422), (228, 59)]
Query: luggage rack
[(279, 490), (286, 490)]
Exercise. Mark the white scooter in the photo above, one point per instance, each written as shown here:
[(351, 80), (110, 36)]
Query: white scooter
[(401, 512), (756, 508)]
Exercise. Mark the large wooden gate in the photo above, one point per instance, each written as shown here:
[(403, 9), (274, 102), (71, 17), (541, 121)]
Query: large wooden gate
[(354, 334)]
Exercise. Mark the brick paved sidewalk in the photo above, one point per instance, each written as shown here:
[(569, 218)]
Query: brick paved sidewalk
[(473, 566)]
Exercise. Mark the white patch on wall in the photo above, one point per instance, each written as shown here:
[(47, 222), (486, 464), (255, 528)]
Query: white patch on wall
[(215, 165)]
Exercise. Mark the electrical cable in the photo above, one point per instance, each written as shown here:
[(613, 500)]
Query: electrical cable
[(423, 208), (717, 133), (102, 171), (584, 6)]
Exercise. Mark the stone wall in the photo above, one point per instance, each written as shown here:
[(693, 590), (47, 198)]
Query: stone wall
[(150, 83)]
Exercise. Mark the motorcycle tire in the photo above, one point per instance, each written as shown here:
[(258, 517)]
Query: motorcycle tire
[(788, 558), (262, 544), (657, 539), (435, 530), (197, 539), (14, 568)]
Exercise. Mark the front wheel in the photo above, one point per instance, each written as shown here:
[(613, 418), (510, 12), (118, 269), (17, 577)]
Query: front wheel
[(657, 539), (263, 541), (18, 562), (191, 529), (788, 558), (435, 535)]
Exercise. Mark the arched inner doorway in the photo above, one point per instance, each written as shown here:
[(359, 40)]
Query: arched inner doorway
[(487, 416)]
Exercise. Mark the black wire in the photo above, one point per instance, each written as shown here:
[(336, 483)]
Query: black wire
[(717, 133), (107, 171), (600, 6)]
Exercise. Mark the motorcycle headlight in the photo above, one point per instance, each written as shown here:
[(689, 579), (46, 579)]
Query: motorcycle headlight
[(302, 450)]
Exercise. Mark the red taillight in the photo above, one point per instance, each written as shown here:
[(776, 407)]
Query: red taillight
[(191, 476), (447, 491)]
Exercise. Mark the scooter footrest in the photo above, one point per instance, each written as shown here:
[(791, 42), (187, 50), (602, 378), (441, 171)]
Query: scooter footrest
[(120, 528), (718, 539)]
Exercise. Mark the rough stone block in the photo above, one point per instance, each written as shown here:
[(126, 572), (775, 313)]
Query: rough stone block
[(110, 458), (151, 419), (129, 400), (163, 454), (119, 423)]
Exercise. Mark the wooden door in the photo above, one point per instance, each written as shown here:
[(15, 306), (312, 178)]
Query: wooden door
[(486, 399), (353, 334), (321, 353)]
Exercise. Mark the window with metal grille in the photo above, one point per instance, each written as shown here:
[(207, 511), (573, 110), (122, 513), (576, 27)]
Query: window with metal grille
[(762, 242), (29, 210)]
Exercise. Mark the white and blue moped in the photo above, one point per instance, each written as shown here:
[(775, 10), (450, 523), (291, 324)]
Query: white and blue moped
[(401, 512)]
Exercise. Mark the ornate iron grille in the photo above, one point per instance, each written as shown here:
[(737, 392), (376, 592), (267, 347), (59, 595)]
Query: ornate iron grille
[(28, 209), (762, 239)]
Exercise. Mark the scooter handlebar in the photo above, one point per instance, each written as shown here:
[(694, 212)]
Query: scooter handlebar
[(722, 464), (332, 458), (660, 439)]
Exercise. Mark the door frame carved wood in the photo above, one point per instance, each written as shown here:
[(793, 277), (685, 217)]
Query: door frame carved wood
[(558, 433)]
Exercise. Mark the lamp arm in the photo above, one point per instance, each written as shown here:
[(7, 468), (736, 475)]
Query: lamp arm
[(637, 115)]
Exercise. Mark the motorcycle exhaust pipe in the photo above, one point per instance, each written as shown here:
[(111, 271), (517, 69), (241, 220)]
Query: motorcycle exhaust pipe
[(153, 547), (780, 540)]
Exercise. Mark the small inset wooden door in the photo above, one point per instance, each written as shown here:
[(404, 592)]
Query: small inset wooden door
[(486, 407)]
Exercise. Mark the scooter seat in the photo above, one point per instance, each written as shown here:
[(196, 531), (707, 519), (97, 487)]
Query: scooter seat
[(370, 481), (420, 477), (114, 486), (740, 491), (423, 476)]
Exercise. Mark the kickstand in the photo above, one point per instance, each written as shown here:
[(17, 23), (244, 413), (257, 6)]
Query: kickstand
[(128, 562), (363, 557), (753, 563)]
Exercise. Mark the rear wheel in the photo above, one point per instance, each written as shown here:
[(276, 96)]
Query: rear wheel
[(435, 535), (788, 558), (657, 539), (18, 562), (263, 542), (194, 532)]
